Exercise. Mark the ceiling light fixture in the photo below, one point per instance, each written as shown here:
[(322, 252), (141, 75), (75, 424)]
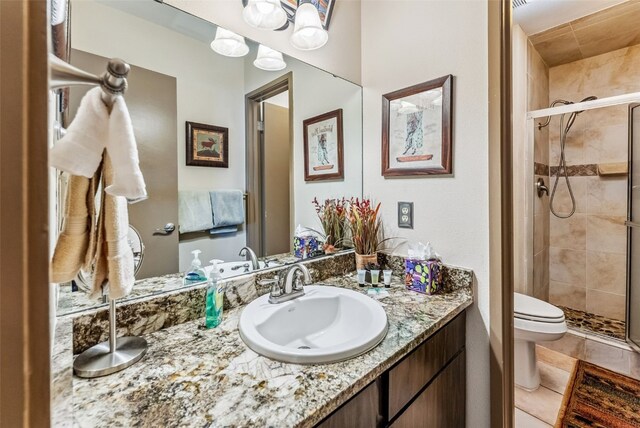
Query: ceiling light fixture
[(308, 33), (264, 14), (228, 43), (269, 59)]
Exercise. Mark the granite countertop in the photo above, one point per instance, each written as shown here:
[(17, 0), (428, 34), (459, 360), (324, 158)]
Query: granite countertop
[(192, 376)]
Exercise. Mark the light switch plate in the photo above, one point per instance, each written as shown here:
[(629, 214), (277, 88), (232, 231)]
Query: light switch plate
[(405, 215)]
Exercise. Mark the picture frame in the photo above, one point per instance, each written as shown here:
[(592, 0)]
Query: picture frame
[(417, 130), (207, 145), (325, 9), (323, 147)]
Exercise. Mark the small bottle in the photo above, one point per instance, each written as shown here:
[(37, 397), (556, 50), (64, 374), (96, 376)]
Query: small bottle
[(195, 273), (214, 297)]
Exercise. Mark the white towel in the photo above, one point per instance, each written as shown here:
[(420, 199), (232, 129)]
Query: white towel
[(122, 149), (194, 211), (79, 152)]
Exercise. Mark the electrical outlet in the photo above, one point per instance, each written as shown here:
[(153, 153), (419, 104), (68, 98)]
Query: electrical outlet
[(405, 215)]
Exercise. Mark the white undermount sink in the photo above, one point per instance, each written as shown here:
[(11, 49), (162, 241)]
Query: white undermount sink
[(326, 325)]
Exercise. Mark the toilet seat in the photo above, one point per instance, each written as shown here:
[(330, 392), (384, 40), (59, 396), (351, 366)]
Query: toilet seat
[(532, 309)]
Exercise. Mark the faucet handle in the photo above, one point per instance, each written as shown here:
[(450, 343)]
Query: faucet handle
[(276, 290)]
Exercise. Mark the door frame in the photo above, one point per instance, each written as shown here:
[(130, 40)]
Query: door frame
[(25, 345), (254, 170), (501, 245)]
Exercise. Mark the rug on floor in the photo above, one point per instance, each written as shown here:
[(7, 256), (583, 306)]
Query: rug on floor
[(599, 398)]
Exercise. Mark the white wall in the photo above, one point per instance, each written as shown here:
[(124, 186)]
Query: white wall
[(408, 42), (316, 92), (210, 90), (340, 56)]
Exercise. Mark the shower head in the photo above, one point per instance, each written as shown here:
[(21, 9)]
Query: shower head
[(573, 116)]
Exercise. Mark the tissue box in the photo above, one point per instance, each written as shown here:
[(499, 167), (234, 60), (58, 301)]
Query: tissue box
[(299, 242), (423, 276)]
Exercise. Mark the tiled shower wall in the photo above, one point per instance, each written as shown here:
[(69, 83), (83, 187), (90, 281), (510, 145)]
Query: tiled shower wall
[(587, 252), (537, 98)]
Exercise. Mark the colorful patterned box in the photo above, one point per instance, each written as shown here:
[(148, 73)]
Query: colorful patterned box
[(423, 276), (310, 241)]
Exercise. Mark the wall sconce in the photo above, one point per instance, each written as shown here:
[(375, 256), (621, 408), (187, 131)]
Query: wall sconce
[(265, 14), (228, 43), (308, 33), (269, 59)]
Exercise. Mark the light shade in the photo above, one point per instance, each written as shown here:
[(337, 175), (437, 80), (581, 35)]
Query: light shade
[(265, 14), (269, 59), (228, 43), (308, 33)]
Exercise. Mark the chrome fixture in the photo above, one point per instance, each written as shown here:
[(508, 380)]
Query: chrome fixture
[(267, 261), (166, 230), (117, 353), (245, 266), (250, 255), (562, 164), (541, 187), (287, 285)]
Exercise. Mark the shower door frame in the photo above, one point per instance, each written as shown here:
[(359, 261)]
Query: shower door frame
[(629, 225), (626, 99)]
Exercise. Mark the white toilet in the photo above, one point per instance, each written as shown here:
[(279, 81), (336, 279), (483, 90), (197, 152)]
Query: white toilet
[(534, 321)]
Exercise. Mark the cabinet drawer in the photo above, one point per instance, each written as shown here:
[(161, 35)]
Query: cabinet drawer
[(364, 410), (442, 404), (411, 374)]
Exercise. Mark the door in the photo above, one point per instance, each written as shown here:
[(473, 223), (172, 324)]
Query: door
[(276, 157), (633, 231), (151, 99)]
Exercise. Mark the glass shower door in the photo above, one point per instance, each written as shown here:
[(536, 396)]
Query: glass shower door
[(633, 231)]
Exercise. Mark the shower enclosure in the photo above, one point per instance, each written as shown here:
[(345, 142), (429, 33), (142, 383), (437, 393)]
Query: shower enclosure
[(594, 238)]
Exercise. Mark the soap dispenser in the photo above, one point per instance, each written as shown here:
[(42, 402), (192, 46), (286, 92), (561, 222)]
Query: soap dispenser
[(214, 296), (195, 273)]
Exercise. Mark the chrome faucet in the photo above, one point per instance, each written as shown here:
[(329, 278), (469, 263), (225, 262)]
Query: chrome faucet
[(287, 285), (250, 255)]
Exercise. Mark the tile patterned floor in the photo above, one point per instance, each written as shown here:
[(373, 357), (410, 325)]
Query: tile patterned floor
[(556, 360), (539, 409), (594, 324)]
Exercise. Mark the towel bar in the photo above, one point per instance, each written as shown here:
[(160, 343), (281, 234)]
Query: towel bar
[(113, 82)]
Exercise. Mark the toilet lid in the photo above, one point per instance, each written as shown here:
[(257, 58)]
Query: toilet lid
[(527, 307)]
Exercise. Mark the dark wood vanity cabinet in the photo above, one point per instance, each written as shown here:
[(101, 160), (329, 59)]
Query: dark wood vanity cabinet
[(424, 389)]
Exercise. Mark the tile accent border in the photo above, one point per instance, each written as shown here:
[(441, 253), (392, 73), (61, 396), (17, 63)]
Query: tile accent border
[(587, 170), (540, 169)]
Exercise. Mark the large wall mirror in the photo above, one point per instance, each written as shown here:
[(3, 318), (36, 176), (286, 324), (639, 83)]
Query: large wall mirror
[(205, 122)]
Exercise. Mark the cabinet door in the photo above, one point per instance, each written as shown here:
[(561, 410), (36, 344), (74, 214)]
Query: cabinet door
[(442, 404), (411, 375), (362, 411)]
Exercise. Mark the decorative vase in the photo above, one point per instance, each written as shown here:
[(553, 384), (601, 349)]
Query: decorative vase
[(363, 260)]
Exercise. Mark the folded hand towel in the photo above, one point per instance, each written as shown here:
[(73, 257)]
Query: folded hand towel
[(93, 129), (121, 145), (227, 208), (114, 259), (79, 152), (194, 211), (73, 240), (223, 230)]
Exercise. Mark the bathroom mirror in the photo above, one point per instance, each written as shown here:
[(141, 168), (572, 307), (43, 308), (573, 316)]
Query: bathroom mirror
[(188, 102)]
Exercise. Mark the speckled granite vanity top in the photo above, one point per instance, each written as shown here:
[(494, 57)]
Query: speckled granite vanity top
[(197, 377)]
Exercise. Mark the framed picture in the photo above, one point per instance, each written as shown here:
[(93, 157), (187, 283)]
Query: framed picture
[(207, 145), (325, 8), (323, 147), (416, 129)]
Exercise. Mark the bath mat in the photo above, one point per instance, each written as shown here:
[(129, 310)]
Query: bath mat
[(599, 398)]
